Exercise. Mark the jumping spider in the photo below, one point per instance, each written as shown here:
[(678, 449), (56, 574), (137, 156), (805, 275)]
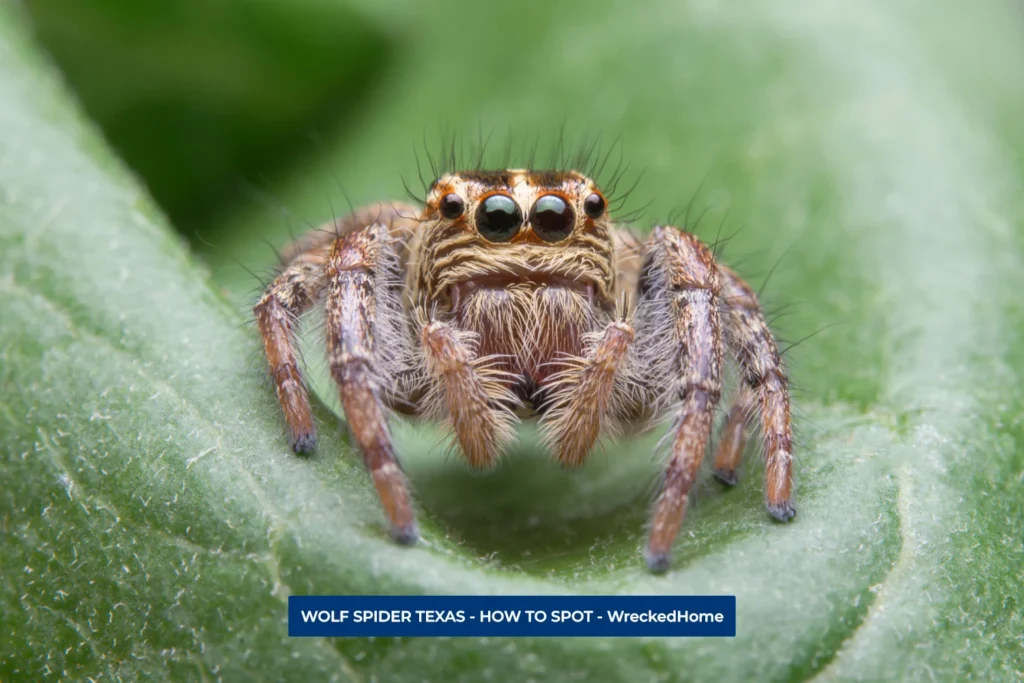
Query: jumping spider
[(514, 294)]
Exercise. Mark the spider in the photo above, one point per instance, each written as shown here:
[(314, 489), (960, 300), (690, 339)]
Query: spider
[(513, 294)]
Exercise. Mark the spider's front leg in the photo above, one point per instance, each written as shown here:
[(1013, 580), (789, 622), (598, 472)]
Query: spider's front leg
[(682, 286), (354, 267)]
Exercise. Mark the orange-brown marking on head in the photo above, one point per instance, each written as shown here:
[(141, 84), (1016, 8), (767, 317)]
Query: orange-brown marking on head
[(532, 228), (525, 189)]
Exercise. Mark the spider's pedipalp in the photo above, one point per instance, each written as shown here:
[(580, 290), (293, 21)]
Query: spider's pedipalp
[(583, 395), (683, 284), (476, 397)]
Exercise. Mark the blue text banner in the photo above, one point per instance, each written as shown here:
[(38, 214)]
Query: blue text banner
[(506, 615)]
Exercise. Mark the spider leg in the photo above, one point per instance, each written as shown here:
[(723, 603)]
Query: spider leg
[(765, 376), (733, 436), (288, 296), (293, 292), (683, 284), (583, 395), (352, 310), (475, 396)]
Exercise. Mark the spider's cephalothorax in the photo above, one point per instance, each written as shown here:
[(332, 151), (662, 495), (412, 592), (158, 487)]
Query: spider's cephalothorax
[(513, 294)]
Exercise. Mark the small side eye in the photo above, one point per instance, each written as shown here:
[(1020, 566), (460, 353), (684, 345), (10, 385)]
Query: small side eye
[(594, 205), (498, 219), (552, 218), (452, 206)]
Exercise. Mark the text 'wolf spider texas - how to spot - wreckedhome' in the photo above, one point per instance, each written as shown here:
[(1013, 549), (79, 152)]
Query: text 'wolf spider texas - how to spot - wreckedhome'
[(514, 294)]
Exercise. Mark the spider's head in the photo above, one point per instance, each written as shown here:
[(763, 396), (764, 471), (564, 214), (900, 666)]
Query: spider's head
[(517, 206), (517, 229)]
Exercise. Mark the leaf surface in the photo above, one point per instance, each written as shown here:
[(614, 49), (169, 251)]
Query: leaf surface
[(154, 521)]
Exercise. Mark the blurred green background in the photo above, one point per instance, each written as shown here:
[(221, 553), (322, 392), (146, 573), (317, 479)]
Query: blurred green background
[(867, 155)]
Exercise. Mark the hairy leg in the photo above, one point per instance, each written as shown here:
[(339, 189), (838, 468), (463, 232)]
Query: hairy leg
[(402, 218), (294, 291), (582, 395), (764, 374), (277, 312), (477, 398), (353, 306), (733, 437), (682, 283)]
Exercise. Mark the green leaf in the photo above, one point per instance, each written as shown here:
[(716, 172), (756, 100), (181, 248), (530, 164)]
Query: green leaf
[(154, 520)]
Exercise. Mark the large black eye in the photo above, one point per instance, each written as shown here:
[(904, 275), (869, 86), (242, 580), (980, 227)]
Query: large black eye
[(452, 206), (498, 218), (552, 218), (594, 205)]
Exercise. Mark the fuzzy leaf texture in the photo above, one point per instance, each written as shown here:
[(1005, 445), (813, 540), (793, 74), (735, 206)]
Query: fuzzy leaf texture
[(153, 520)]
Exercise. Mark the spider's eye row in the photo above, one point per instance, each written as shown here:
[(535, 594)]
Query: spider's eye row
[(452, 206), (593, 205), (552, 218), (498, 218)]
